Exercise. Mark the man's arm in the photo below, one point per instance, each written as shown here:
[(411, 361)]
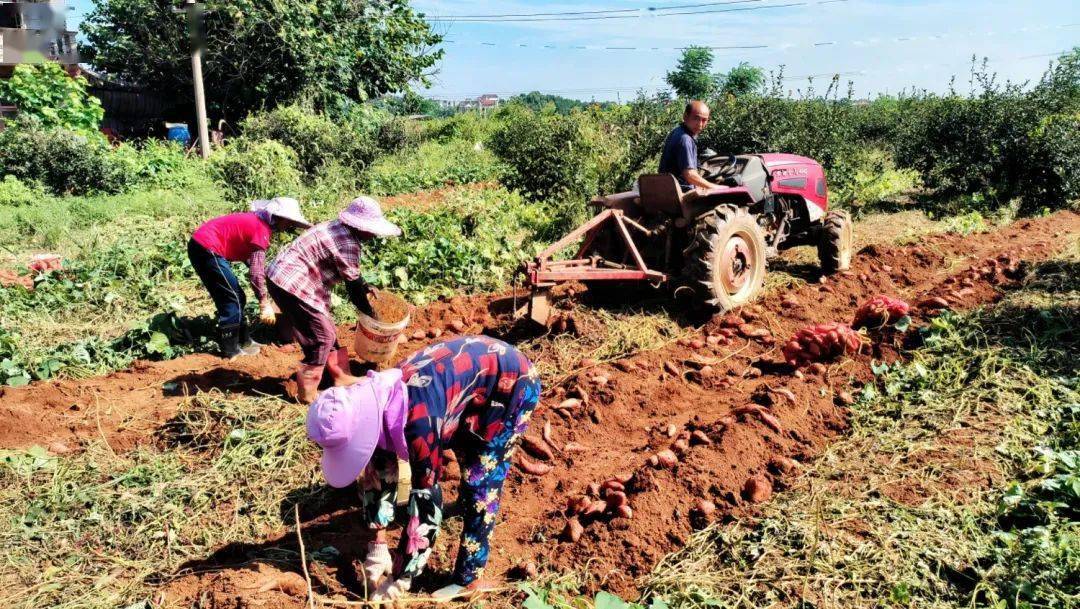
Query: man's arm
[(693, 178)]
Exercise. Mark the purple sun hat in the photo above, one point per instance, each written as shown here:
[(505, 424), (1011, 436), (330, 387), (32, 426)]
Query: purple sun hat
[(364, 214), (346, 422)]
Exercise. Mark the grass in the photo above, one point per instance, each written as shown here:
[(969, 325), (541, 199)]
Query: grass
[(912, 508), (429, 166), (89, 530)]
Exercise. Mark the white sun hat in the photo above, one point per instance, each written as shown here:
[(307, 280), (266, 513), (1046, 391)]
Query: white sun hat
[(286, 208)]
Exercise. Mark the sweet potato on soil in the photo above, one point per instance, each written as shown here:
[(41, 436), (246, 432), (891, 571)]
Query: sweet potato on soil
[(574, 447), (699, 437), (757, 489), (289, 583), (624, 511), (615, 499), (573, 530), (935, 302), (666, 458), (569, 403), (783, 465), (533, 469), (613, 485), (458, 326), (704, 507), (879, 311), (752, 331), (419, 335), (821, 342), (536, 448)]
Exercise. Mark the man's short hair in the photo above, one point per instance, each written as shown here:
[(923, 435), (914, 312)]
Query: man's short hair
[(688, 108)]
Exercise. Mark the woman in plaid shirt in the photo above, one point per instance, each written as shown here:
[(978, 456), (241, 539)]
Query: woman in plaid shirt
[(300, 280)]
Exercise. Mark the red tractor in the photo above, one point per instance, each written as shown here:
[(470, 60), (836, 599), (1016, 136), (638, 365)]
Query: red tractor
[(714, 243)]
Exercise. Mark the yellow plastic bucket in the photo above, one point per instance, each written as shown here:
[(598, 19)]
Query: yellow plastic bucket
[(377, 342)]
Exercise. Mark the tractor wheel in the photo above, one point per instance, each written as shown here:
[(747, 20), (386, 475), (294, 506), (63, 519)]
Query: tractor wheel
[(834, 248), (725, 260)]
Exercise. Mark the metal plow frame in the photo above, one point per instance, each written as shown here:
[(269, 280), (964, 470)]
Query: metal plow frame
[(543, 273)]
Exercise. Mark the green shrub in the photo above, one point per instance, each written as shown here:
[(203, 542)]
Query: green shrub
[(471, 243), (471, 127), (15, 193), (1053, 171), (46, 92), (431, 165), (316, 139), (65, 162), (546, 156), (874, 180), (252, 169)]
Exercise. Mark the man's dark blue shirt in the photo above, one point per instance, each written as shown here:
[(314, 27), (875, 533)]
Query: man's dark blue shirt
[(680, 154)]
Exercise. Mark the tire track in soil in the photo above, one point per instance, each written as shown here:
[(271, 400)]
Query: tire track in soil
[(633, 407)]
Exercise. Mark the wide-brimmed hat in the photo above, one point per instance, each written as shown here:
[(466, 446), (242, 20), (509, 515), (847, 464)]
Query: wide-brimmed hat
[(346, 422), (364, 214), (285, 208)]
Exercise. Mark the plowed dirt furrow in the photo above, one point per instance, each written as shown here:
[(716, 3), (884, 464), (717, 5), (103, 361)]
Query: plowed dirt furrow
[(624, 421)]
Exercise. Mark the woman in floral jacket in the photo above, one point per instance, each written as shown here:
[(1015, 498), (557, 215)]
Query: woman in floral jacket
[(473, 395)]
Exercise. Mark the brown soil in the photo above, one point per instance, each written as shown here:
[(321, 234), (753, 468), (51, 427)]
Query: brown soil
[(431, 198), (627, 409), (388, 307)]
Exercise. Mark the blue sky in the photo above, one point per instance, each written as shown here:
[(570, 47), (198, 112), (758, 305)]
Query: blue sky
[(861, 39)]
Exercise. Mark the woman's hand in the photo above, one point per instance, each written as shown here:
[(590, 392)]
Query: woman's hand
[(392, 589), (267, 315), (377, 564)]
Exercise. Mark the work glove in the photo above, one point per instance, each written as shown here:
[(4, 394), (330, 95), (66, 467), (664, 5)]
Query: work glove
[(377, 564), (267, 315), (392, 589)]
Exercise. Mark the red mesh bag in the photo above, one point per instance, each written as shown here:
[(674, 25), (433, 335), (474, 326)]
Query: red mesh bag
[(879, 311), (821, 342), (46, 262)]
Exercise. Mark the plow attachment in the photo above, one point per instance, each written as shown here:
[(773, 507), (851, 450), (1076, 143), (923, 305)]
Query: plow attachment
[(543, 273)]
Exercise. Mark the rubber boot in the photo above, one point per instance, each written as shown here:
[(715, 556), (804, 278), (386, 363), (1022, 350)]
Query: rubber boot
[(246, 344), (307, 382), (338, 365), (229, 339)]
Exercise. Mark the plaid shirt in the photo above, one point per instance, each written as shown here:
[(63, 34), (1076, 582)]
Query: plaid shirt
[(321, 257)]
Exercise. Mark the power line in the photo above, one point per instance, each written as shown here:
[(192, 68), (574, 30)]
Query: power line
[(595, 12), (637, 15)]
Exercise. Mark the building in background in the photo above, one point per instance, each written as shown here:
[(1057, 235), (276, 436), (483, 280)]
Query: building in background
[(31, 32)]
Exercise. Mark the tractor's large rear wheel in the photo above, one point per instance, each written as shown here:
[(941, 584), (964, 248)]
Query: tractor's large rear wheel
[(834, 248), (725, 261)]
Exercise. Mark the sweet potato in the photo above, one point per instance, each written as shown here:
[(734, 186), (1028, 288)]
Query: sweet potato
[(615, 499), (533, 469), (573, 530), (697, 343), (879, 311), (569, 403), (434, 333), (613, 485), (845, 398), (625, 365), (536, 448), (458, 326), (670, 430), (757, 489), (935, 302), (546, 434), (624, 478), (624, 511), (671, 368), (731, 321), (594, 489), (574, 447), (783, 465), (705, 507), (666, 458), (288, 582), (713, 340), (595, 507), (785, 393), (700, 437), (680, 446), (752, 331), (419, 335)]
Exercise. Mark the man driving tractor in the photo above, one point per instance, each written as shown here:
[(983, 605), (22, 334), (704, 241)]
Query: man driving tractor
[(679, 157)]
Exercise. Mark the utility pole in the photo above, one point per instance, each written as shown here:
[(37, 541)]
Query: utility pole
[(194, 21)]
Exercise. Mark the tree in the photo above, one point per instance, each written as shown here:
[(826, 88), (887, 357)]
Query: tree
[(537, 101), (262, 54), (741, 80), (692, 78), (49, 94)]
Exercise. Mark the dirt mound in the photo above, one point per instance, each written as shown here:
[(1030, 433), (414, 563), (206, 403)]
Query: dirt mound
[(730, 418)]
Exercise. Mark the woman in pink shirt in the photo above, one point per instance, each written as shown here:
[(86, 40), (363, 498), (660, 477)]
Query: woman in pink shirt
[(240, 237)]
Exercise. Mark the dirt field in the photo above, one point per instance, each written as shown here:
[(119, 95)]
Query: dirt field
[(627, 408)]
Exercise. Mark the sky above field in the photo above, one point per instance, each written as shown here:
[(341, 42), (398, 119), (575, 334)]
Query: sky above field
[(880, 45)]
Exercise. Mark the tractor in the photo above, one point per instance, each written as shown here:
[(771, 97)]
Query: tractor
[(711, 244)]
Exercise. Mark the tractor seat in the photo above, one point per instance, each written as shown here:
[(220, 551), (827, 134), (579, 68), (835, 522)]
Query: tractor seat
[(660, 193)]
